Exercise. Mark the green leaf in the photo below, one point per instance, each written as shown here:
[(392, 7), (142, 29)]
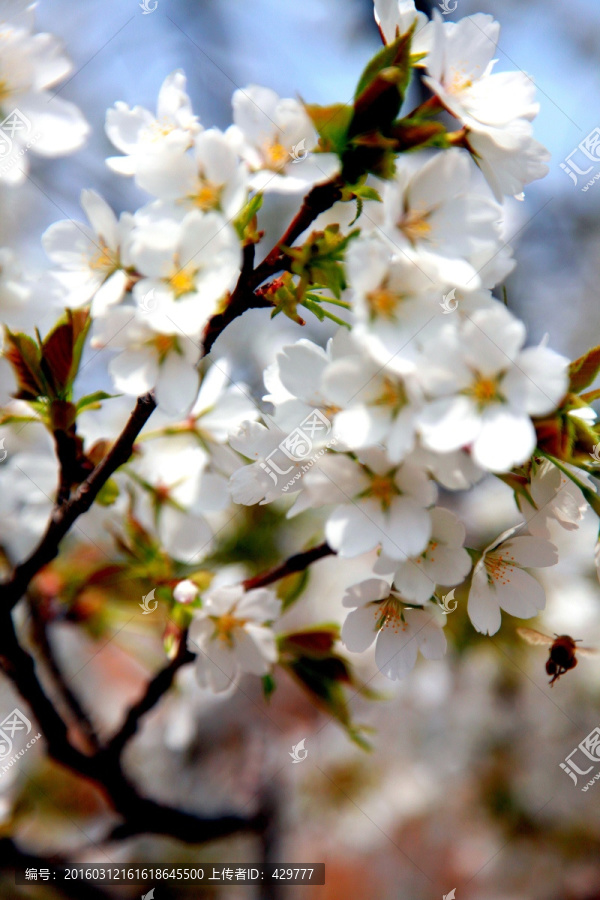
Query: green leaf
[(108, 493), (331, 124), (269, 686), (584, 370), (244, 221), (382, 87), (324, 679), (93, 401), (290, 588), (366, 192), (395, 54)]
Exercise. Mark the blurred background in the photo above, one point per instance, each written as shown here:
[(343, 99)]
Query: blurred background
[(463, 788)]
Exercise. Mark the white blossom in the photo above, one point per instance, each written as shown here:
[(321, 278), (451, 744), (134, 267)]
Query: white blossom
[(496, 107), (92, 259), (276, 138), (43, 123), (552, 495), (230, 635), (186, 268), (501, 582), (484, 388), (379, 614), (148, 359), (444, 561), (139, 134)]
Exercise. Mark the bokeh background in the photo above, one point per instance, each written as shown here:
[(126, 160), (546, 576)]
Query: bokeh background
[(463, 788)]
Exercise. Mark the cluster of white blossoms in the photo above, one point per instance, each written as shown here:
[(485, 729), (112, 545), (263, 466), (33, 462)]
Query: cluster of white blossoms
[(427, 385), (31, 117)]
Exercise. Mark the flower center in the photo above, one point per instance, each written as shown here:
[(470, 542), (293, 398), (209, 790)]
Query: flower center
[(225, 625), (105, 260), (458, 82), (383, 302), (183, 281), (388, 614), (484, 390), (164, 343), (499, 567), (392, 394), (414, 225), (275, 155), (160, 129), (208, 195), (384, 488)]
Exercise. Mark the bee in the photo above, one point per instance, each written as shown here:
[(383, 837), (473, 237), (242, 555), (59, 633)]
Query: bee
[(563, 649)]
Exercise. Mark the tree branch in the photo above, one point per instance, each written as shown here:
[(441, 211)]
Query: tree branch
[(158, 686), (319, 199), (66, 514), (140, 815), (296, 563), (42, 641)]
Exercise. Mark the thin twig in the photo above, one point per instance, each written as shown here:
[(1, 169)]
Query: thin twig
[(296, 563), (42, 641)]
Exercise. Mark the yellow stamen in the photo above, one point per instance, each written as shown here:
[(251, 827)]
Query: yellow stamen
[(5, 90), (164, 343), (388, 614), (484, 390), (383, 302), (225, 626), (275, 155), (105, 260), (208, 195), (183, 281), (414, 225), (384, 488), (392, 394)]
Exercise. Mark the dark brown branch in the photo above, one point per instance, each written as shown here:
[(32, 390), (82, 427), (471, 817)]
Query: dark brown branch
[(162, 681), (319, 199), (42, 641), (140, 815), (296, 563), (158, 686), (65, 515)]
